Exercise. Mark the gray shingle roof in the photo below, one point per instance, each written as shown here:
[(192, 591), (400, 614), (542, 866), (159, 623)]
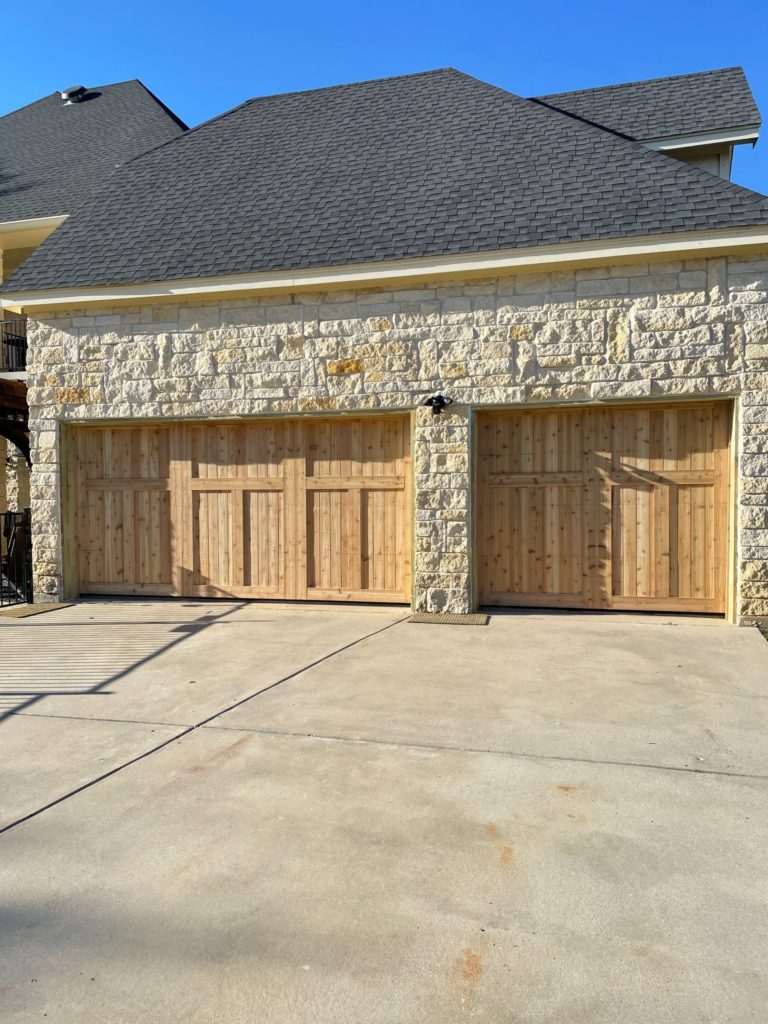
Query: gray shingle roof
[(665, 107), (430, 164), (52, 154)]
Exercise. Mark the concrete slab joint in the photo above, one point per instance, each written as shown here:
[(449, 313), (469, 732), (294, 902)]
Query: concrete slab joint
[(662, 330)]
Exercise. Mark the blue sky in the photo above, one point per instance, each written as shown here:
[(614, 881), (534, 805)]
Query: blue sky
[(201, 59)]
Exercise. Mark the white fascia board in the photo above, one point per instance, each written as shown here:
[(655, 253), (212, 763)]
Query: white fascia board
[(18, 234), (31, 223), (748, 133), (365, 274)]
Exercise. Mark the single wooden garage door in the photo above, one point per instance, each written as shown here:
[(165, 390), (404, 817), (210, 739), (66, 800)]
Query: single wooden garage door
[(292, 509), (622, 508)]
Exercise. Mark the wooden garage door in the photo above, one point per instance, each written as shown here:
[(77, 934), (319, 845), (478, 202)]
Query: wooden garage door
[(294, 509), (622, 508)]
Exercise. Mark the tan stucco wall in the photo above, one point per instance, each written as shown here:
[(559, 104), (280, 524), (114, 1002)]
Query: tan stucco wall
[(10, 259), (622, 333)]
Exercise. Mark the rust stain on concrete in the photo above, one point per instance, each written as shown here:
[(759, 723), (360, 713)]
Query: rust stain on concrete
[(470, 967), (220, 756), (466, 973), (504, 850)]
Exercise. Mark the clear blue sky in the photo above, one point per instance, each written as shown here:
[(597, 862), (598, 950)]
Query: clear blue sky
[(203, 58)]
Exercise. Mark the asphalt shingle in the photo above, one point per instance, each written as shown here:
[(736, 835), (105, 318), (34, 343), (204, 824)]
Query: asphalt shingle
[(52, 154), (658, 108), (430, 164)]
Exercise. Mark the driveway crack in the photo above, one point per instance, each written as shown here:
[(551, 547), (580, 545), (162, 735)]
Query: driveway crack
[(491, 751), (197, 725)]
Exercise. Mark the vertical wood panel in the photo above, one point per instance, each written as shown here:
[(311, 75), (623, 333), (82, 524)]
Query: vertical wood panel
[(530, 507), (605, 508), (123, 510), (358, 508)]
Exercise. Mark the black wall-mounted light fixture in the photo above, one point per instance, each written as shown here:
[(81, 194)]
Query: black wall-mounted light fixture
[(438, 403)]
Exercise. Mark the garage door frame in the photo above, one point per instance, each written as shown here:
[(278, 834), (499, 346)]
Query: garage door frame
[(673, 606), (69, 508)]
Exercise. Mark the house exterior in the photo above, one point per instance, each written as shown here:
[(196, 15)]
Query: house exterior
[(52, 154), (232, 340)]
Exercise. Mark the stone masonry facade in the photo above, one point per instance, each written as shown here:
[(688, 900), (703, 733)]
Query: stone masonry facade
[(641, 331), (14, 478)]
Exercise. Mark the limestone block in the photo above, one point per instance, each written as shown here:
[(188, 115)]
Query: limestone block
[(601, 287), (754, 464), (339, 367), (621, 389), (753, 571), (381, 323), (138, 390), (717, 280), (72, 395), (754, 518), (693, 280), (563, 359)]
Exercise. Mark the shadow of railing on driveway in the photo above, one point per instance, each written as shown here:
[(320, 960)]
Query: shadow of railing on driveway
[(53, 657)]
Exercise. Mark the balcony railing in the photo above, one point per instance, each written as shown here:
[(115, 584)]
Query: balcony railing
[(13, 345)]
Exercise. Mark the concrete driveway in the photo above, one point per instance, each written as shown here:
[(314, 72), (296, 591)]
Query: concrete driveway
[(240, 812)]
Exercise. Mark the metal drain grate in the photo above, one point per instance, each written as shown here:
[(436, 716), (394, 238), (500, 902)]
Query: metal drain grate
[(450, 618)]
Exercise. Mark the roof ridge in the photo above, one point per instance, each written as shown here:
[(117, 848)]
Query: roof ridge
[(88, 88), (32, 103), (283, 95), (639, 81), (352, 85)]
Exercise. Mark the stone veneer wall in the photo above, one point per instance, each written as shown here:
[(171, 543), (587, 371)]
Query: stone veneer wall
[(17, 480), (638, 331), (14, 478), (4, 445)]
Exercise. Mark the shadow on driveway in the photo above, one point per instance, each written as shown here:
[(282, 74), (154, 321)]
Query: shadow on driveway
[(61, 657)]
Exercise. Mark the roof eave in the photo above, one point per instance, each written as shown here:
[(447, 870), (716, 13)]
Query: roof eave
[(723, 136), (27, 233), (368, 274)]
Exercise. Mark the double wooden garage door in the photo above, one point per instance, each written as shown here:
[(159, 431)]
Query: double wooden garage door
[(273, 509), (623, 508)]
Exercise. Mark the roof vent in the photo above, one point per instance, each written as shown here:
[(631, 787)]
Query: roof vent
[(73, 94)]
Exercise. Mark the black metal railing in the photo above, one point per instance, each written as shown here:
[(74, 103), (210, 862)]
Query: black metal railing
[(15, 557), (13, 345)]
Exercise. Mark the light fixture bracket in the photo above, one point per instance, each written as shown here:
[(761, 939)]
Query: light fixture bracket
[(438, 403)]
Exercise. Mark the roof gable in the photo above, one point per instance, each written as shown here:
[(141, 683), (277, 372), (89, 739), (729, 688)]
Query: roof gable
[(52, 154), (431, 164)]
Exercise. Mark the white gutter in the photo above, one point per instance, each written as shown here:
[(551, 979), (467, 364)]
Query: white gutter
[(400, 270)]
